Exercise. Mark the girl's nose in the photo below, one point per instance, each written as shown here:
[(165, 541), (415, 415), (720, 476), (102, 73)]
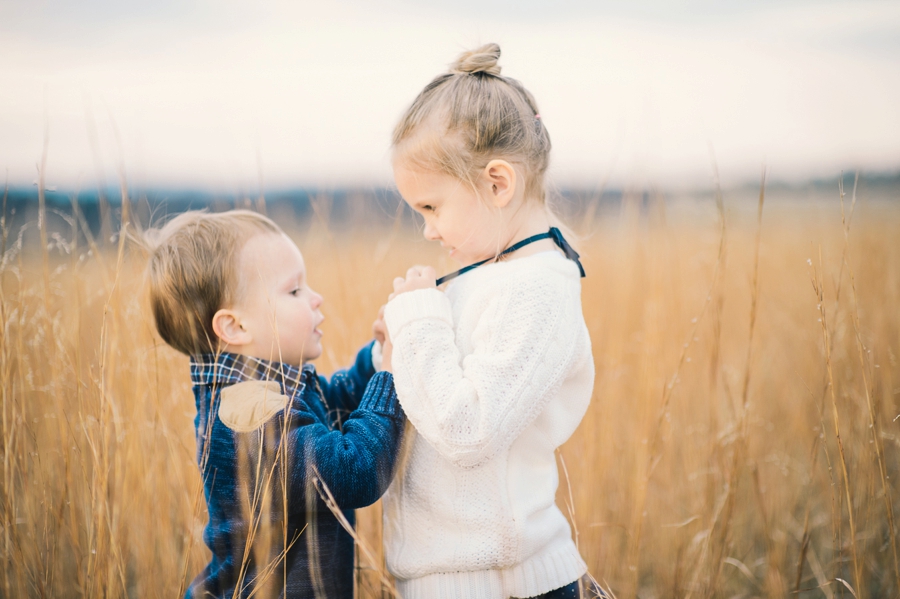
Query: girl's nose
[(430, 233)]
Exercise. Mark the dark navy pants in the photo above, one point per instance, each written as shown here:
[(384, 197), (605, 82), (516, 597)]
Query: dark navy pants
[(588, 590)]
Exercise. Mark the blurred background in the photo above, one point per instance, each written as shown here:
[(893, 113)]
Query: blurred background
[(744, 434), (232, 95)]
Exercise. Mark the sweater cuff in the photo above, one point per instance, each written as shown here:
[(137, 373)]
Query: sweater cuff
[(415, 305), (381, 397)]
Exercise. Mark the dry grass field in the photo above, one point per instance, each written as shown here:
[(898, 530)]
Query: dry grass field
[(743, 438)]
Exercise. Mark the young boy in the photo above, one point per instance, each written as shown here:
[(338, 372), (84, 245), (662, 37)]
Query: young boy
[(284, 453)]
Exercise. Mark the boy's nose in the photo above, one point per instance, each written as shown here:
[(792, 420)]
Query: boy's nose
[(316, 300)]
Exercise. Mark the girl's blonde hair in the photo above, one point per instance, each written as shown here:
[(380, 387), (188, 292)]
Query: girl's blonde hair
[(193, 272), (467, 117)]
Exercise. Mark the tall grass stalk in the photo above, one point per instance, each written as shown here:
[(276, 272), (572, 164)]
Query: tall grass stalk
[(874, 424)]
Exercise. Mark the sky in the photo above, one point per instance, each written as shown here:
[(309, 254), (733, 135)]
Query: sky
[(234, 95)]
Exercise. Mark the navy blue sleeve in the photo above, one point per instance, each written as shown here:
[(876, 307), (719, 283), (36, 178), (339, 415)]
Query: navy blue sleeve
[(344, 391), (357, 462)]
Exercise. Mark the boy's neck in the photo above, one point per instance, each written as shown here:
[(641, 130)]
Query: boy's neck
[(227, 349)]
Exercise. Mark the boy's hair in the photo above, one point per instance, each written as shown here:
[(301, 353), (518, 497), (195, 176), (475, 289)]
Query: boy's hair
[(471, 115), (193, 272)]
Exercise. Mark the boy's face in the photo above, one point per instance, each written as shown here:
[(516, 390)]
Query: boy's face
[(275, 302)]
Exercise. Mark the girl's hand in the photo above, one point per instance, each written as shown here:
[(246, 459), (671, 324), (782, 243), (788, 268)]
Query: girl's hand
[(387, 348), (417, 277)]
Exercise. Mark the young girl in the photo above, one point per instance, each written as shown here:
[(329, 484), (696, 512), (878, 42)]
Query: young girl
[(496, 371)]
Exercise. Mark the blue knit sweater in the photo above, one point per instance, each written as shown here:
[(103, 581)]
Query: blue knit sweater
[(269, 530)]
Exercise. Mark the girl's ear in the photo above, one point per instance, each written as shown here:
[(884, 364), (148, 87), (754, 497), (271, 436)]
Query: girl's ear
[(228, 328), (500, 178)]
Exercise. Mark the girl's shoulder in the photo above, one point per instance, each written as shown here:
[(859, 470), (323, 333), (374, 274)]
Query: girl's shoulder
[(550, 266), (549, 276)]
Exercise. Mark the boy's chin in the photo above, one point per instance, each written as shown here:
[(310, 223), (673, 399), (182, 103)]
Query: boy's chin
[(313, 355)]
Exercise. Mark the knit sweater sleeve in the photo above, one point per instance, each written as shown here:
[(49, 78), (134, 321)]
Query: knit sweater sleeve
[(357, 462), (471, 407), (345, 389)]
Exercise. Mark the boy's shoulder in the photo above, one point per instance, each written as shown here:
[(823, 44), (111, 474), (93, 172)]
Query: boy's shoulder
[(247, 406)]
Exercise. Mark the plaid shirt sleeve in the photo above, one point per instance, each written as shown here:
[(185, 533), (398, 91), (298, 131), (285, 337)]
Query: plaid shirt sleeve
[(345, 390)]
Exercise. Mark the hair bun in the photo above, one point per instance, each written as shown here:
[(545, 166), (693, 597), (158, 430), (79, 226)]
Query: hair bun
[(479, 60)]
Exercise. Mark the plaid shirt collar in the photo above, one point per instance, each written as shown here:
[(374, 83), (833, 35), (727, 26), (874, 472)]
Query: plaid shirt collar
[(228, 368)]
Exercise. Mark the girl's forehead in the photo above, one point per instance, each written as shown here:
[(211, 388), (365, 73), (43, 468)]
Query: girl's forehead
[(424, 146), (406, 164), (420, 185)]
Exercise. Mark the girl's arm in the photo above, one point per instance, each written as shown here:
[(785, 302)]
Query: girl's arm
[(523, 346)]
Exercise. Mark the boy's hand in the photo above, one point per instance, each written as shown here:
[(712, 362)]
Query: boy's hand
[(417, 277), (379, 328)]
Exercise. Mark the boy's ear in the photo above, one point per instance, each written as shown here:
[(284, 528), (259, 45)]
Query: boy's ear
[(228, 328), (501, 179)]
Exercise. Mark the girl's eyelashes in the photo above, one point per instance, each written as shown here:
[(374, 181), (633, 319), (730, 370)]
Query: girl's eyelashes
[(296, 291)]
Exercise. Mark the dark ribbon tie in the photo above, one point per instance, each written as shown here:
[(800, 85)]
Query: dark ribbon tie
[(553, 234)]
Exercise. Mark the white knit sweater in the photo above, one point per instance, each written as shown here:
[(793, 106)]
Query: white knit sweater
[(494, 374)]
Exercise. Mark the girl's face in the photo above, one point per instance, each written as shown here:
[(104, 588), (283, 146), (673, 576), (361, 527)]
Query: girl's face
[(455, 215)]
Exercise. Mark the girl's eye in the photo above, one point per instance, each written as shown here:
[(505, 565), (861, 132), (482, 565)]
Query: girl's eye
[(428, 208), (296, 291)]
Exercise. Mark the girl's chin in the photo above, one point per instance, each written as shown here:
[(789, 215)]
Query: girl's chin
[(460, 258), (466, 259)]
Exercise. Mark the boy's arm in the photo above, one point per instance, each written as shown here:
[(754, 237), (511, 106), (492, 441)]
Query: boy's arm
[(345, 390), (357, 462)]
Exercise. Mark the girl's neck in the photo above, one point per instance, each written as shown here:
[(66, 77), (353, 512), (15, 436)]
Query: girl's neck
[(536, 220)]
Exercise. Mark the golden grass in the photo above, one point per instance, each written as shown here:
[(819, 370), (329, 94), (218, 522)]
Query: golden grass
[(718, 458)]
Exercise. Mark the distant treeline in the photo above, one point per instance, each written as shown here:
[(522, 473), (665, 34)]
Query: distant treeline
[(98, 212), (153, 207), (339, 208)]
